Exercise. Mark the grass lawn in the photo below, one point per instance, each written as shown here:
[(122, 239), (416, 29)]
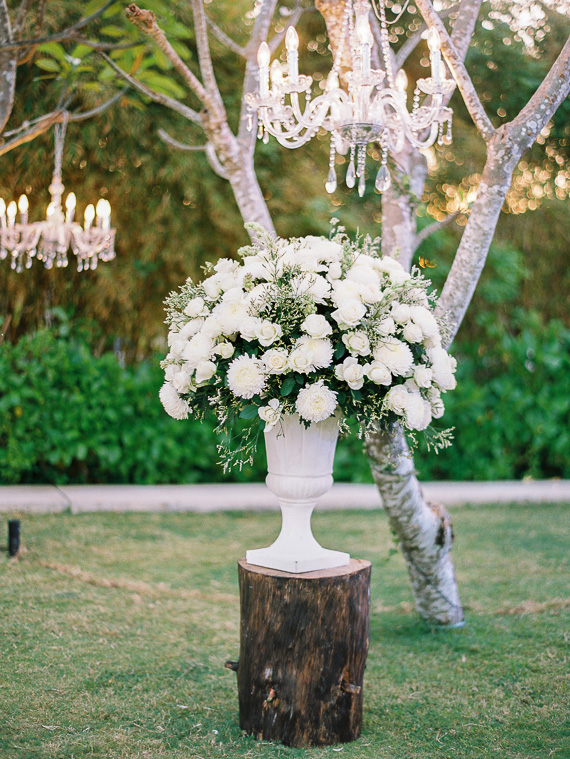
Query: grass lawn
[(114, 629)]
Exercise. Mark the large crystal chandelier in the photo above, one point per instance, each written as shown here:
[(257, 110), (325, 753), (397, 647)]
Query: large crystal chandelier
[(50, 240), (373, 109)]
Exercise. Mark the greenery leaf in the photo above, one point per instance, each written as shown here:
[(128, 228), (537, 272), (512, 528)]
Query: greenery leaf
[(249, 412), (287, 386)]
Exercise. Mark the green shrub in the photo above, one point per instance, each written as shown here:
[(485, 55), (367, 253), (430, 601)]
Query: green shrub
[(68, 416)]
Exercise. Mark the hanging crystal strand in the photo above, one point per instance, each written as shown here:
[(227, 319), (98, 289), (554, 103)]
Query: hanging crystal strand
[(360, 169), (383, 179), (330, 184), (260, 131), (249, 118), (385, 44), (416, 101), (440, 134), (351, 171), (265, 137)]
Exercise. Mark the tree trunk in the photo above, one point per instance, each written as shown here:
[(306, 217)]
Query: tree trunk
[(7, 67), (303, 647), (423, 530)]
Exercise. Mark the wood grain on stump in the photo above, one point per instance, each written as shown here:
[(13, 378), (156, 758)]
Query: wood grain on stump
[(303, 647)]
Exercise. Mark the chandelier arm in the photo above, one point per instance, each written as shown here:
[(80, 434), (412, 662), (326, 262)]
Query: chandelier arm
[(410, 44)]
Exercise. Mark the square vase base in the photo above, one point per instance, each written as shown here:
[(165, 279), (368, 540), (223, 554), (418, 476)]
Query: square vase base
[(268, 557)]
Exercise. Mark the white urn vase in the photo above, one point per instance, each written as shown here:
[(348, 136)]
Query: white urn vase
[(299, 462)]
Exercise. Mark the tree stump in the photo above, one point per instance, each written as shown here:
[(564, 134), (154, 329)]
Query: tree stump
[(303, 647)]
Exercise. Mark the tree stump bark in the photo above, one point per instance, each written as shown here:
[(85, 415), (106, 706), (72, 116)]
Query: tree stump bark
[(303, 647)]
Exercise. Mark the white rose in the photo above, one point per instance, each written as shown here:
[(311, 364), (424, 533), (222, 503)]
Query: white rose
[(349, 313), (357, 342), (314, 285), (344, 290), (275, 361), (351, 372), (191, 328), (399, 277), (387, 326), (212, 327), (267, 332), (423, 376), (443, 368), (370, 293), (212, 287), (396, 399), (300, 361), (171, 371), (226, 265), (231, 316), (319, 351), (378, 373), (205, 371), (196, 307), (182, 381), (362, 275), (401, 313), (177, 348), (334, 271), (255, 266), (173, 335), (387, 265), (233, 295), (425, 320), (224, 350), (412, 333), (198, 349), (316, 325), (249, 326), (270, 414)]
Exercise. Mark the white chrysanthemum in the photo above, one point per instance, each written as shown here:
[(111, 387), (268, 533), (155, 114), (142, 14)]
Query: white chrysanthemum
[(315, 402), (395, 355), (320, 351), (317, 326), (245, 376), (443, 368), (275, 361), (351, 372), (270, 414), (417, 412), (357, 342), (425, 320), (349, 313), (173, 404)]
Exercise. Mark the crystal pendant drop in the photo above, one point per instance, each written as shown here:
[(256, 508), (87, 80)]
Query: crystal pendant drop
[(330, 185), (351, 175), (383, 180), (361, 184)]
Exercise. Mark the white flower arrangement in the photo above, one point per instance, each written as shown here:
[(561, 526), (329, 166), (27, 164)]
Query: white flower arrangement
[(309, 326)]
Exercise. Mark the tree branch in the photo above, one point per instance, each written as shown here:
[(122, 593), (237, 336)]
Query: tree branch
[(27, 133), (157, 97), (536, 114), (410, 44), (455, 63), (106, 45), (21, 17), (58, 36), (165, 137), (435, 226), (204, 57), (224, 39), (7, 67)]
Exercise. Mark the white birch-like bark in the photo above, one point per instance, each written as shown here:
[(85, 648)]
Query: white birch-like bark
[(8, 63)]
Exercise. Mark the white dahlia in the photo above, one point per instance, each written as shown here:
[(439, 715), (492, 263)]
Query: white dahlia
[(315, 402), (173, 404), (245, 376)]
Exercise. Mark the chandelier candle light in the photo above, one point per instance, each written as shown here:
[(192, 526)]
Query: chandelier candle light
[(373, 110), (50, 240)]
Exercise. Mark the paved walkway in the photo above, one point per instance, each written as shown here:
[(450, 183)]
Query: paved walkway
[(204, 498)]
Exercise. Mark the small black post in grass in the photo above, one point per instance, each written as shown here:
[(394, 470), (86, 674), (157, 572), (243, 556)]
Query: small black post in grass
[(13, 536)]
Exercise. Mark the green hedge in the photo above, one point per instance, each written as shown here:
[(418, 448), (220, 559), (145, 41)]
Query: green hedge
[(68, 416)]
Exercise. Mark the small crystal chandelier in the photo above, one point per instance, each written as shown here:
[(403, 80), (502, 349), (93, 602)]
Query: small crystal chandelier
[(373, 110), (49, 241)]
